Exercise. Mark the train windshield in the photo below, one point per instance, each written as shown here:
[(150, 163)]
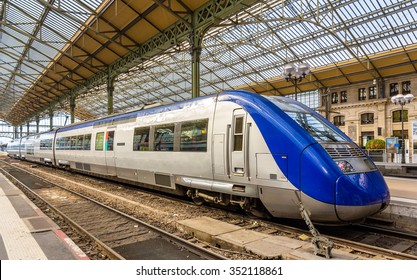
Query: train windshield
[(319, 130)]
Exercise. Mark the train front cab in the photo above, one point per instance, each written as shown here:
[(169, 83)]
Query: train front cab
[(337, 181), (340, 176)]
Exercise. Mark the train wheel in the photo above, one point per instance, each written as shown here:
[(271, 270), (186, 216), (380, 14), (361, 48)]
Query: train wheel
[(254, 213), (258, 211), (198, 201)]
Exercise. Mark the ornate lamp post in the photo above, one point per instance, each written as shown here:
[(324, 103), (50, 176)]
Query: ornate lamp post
[(402, 100), (295, 74)]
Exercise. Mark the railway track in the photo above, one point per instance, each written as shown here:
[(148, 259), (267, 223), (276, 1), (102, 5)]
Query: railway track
[(116, 234), (392, 241), (367, 243)]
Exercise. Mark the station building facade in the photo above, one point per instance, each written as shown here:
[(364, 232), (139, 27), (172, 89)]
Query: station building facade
[(364, 111)]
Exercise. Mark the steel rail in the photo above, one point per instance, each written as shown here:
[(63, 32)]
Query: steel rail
[(202, 252)]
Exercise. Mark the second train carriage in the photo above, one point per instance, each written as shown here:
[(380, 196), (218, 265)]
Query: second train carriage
[(13, 148), (233, 148)]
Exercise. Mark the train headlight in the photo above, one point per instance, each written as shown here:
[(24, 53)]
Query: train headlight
[(345, 166)]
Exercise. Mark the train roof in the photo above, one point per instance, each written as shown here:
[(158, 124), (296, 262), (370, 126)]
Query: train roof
[(229, 95), (144, 111)]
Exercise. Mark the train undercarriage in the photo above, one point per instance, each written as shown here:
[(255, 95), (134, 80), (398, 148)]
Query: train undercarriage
[(252, 206)]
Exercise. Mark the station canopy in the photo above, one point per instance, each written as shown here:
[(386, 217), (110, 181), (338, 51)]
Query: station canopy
[(53, 49)]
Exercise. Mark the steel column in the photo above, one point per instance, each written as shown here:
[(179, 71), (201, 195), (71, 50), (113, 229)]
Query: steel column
[(72, 108), (37, 124), (110, 91), (51, 118), (195, 68)]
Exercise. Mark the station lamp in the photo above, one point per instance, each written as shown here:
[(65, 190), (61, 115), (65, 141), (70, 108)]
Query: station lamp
[(402, 100), (295, 74)]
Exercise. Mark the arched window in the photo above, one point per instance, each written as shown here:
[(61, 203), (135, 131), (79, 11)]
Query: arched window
[(396, 116), (367, 118), (339, 120)]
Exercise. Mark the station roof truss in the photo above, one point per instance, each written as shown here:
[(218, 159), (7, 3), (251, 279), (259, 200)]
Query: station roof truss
[(53, 49)]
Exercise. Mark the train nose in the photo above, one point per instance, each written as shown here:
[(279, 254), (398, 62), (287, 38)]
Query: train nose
[(360, 195)]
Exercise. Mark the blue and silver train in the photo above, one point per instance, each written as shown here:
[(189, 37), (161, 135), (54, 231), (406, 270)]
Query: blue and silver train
[(264, 154)]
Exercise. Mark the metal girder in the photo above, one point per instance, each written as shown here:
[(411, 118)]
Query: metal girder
[(209, 15), (341, 40)]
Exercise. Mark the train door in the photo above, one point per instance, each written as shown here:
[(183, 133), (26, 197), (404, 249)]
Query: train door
[(110, 153), (238, 143)]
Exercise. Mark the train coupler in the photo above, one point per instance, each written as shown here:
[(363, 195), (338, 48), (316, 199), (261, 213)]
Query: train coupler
[(322, 245)]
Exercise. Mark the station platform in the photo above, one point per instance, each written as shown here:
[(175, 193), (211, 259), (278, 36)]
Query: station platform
[(402, 210), (407, 170), (26, 233)]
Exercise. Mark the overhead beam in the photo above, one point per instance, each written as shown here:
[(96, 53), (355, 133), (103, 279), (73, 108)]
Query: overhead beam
[(207, 16)]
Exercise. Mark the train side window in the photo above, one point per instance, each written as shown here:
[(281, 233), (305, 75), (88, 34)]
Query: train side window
[(109, 140), (45, 144), (62, 143), (42, 145), (59, 143), (164, 138), (238, 134), (49, 144), (87, 142), (73, 142), (67, 144), (99, 141), (194, 136), (79, 142), (141, 139)]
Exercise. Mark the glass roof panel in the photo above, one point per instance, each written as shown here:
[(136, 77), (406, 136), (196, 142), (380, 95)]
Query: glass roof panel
[(62, 31), (31, 34), (271, 34)]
